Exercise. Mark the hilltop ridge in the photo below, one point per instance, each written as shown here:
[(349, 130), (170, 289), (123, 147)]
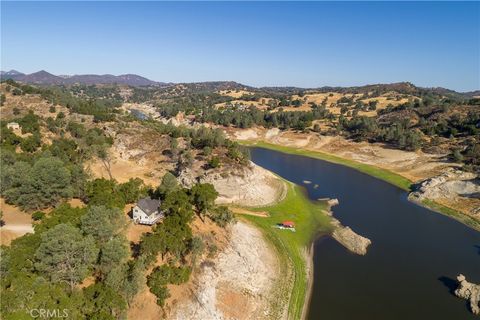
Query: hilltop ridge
[(43, 77)]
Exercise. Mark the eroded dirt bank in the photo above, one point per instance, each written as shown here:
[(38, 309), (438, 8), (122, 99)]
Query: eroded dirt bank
[(237, 284), (251, 185)]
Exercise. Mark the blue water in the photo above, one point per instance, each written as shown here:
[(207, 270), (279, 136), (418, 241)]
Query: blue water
[(410, 268)]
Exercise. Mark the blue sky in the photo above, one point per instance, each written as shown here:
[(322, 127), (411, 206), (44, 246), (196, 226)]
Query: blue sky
[(304, 44)]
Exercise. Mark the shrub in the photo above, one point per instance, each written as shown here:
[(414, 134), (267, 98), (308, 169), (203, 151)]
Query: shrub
[(214, 162), (38, 215)]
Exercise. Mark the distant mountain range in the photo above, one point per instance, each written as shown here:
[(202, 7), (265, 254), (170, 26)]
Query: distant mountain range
[(46, 78)]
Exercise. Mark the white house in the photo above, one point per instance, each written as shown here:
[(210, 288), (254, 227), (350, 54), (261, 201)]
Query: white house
[(147, 211), (13, 126)]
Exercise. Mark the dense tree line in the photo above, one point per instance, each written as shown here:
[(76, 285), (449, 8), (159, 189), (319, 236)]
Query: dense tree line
[(399, 133), (44, 175), (298, 120), (419, 123)]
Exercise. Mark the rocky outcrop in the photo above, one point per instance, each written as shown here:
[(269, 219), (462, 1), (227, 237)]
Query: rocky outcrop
[(469, 291), (247, 185), (451, 185), (345, 235), (351, 240)]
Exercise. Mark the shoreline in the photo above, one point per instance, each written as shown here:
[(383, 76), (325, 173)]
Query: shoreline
[(377, 172), (388, 176), (309, 254), (302, 273), (295, 249), (448, 212)]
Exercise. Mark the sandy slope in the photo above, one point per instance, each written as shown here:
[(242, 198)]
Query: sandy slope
[(237, 283)]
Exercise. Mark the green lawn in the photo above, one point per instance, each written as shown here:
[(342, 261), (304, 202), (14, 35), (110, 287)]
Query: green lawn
[(310, 221), (376, 172)]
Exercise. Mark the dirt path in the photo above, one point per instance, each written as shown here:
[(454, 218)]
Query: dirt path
[(16, 223), (249, 212)]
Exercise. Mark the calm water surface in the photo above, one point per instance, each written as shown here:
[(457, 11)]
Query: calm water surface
[(409, 270)]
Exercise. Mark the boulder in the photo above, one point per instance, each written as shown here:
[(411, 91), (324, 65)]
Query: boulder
[(469, 291)]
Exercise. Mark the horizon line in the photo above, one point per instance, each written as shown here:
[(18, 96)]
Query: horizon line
[(248, 85)]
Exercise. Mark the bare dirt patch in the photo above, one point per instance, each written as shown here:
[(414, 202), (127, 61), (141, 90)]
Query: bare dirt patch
[(237, 283), (136, 153), (144, 306), (234, 93), (16, 223)]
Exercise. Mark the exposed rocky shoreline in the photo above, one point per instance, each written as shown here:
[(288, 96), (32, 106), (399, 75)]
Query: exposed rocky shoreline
[(469, 291), (453, 186), (346, 236)]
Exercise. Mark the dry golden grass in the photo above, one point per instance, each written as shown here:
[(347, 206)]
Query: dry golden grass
[(234, 93), (261, 105)]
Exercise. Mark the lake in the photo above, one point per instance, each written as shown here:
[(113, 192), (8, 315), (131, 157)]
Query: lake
[(410, 269)]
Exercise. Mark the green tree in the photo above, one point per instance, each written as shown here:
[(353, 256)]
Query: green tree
[(113, 253), (64, 255), (132, 190), (222, 216), (102, 223), (169, 183), (104, 303), (103, 192), (207, 151), (203, 196), (60, 115), (38, 215), (31, 143), (174, 145), (457, 155), (197, 246), (44, 185), (104, 156)]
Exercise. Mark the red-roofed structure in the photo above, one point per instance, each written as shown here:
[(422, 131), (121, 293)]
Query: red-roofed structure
[(288, 224)]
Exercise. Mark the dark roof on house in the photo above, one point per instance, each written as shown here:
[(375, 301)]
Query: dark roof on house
[(149, 205)]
